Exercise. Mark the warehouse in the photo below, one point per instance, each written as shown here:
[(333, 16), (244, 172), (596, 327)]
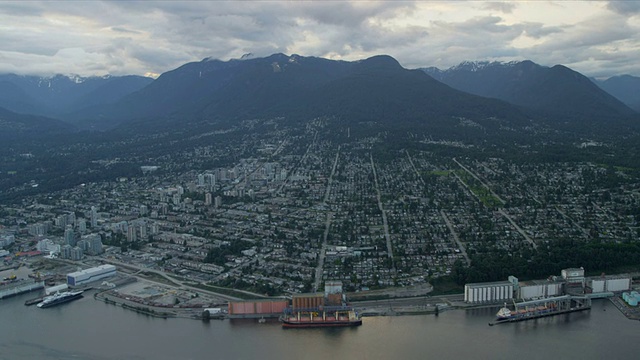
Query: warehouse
[(92, 274), (257, 308), (490, 292), (617, 283), (610, 283)]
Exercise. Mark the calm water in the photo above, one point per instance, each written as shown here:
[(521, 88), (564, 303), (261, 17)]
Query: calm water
[(87, 329)]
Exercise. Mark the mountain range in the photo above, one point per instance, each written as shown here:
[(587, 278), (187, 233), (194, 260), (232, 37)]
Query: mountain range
[(554, 90), (376, 90), (61, 95)]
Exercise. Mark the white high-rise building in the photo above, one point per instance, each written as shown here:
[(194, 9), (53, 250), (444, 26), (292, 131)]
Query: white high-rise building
[(82, 225), (143, 231), (69, 236), (94, 217), (210, 179), (132, 234)]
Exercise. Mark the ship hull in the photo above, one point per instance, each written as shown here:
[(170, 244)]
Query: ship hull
[(44, 305), (316, 324)]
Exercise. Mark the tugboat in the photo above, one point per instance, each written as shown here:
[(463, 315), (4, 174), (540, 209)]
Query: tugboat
[(59, 298)]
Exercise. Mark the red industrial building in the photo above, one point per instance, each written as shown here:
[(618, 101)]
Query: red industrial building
[(257, 308)]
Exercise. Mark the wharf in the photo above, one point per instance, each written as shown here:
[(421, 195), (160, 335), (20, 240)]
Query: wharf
[(628, 311), (19, 287)]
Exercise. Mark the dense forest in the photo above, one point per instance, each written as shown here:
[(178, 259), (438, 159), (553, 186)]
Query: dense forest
[(548, 260)]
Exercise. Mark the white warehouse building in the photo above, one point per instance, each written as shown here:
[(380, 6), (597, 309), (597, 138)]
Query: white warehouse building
[(490, 292), (536, 289), (91, 274)]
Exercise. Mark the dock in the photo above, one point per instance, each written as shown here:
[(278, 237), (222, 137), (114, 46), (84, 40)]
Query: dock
[(19, 287), (34, 301)]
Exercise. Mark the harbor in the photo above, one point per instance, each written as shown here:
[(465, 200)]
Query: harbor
[(95, 327)]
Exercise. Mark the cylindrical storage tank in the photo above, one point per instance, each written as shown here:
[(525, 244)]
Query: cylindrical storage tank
[(633, 301), (625, 296)]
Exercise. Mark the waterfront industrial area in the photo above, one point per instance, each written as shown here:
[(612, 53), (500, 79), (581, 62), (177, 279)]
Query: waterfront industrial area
[(164, 296), (287, 210)]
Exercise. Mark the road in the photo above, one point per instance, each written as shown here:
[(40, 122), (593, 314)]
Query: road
[(327, 226), (385, 224), (413, 301), (323, 251), (463, 250), (500, 210), (177, 283)]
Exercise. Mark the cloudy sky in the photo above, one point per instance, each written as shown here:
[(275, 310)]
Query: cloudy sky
[(145, 37)]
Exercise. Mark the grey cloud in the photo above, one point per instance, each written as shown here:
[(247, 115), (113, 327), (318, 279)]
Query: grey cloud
[(501, 6), (23, 8), (537, 30), (122, 37), (624, 7), (124, 30)]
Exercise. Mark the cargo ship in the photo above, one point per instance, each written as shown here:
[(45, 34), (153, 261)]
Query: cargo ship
[(328, 309), (535, 309), (321, 318), (506, 314), (59, 298)]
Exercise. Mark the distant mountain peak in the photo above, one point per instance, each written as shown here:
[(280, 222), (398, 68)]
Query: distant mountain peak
[(474, 66), (381, 61)]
